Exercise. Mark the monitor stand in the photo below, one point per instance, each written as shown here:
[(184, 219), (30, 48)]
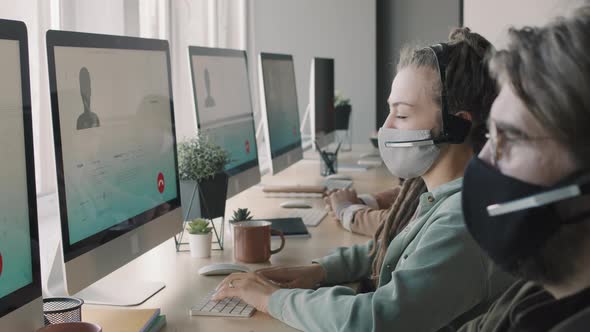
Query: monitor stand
[(116, 289)]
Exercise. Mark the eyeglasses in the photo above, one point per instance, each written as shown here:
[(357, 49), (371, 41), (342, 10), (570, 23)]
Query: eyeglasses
[(500, 139)]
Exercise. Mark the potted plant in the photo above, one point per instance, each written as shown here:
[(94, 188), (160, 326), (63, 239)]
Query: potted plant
[(342, 111), (202, 162), (199, 238), (241, 215)]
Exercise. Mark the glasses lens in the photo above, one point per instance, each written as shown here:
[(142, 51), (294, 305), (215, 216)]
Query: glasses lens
[(495, 141)]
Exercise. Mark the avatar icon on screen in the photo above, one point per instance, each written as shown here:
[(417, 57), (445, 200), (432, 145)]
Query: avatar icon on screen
[(209, 101), (87, 119)]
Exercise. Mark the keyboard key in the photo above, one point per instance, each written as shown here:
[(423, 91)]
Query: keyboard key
[(229, 307)]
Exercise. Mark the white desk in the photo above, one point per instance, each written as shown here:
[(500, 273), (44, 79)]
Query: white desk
[(185, 287)]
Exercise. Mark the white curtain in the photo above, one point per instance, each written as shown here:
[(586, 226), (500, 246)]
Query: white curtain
[(214, 23), (39, 16), (210, 23)]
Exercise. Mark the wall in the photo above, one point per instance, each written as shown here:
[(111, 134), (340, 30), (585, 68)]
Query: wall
[(493, 18), (400, 22), (339, 29)]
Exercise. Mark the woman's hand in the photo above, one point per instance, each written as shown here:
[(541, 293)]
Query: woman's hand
[(328, 208), (250, 287), (307, 276), (344, 197), (337, 200)]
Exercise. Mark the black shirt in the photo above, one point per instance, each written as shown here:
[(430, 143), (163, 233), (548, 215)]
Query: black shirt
[(527, 307)]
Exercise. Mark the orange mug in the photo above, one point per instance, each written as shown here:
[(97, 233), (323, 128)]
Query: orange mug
[(252, 241)]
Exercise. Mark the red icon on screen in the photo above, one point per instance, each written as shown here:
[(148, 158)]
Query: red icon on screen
[(1, 264), (247, 146), (161, 182)]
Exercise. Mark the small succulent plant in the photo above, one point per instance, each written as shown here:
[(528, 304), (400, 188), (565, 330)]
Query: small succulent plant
[(241, 215), (198, 226)]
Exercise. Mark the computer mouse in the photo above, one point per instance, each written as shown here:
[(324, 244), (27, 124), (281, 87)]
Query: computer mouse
[(338, 177), (295, 205), (222, 269)]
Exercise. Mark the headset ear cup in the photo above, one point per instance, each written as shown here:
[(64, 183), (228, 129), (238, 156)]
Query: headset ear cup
[(457, 129)]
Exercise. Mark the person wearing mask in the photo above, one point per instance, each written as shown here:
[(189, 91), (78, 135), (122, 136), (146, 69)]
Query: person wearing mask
[(368, 214), (426, 272), (526, 198)]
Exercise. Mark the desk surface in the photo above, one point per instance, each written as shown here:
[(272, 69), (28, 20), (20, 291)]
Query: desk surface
[(185, 287)]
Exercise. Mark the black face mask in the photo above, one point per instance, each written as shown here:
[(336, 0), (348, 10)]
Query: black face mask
[(511, 219)]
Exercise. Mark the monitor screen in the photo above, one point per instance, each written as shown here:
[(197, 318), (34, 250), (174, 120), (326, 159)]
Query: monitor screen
[(282, 111), (115, 140), (19, 247), (324, 96), (224, 107)]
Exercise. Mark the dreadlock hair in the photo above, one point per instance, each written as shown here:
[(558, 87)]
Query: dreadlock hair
[(470, 88)]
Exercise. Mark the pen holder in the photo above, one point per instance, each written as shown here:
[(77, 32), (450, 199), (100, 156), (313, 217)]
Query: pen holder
[(328, 163)]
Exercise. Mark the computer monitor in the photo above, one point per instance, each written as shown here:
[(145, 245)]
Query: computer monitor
[(280, 108), (21, 308), (322, 101), (115, 149), (224, 110)]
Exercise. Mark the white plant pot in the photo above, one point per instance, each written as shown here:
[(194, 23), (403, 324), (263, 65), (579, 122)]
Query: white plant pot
[(200, 245)]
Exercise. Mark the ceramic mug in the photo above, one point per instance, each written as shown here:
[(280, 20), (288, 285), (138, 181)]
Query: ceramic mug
[(252, 241)]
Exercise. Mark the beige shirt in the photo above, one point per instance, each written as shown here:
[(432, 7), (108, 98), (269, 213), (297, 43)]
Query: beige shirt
[(365, 219)]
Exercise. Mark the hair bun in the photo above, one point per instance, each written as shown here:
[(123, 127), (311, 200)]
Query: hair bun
[(479, 44), (459, 34)]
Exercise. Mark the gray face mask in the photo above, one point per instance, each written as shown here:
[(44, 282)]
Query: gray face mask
[(407, 153)]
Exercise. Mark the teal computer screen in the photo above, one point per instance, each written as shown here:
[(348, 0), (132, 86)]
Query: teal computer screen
[(16, 267), (224, 107), (281, 105), (117, 138)]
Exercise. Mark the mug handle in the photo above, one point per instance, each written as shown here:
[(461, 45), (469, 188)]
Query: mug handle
[(279, 233)]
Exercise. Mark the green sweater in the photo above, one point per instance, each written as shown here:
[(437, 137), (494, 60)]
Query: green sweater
[(434, 278)]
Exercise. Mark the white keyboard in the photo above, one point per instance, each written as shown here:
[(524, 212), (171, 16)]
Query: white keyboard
[(311, 217), (229, 307)]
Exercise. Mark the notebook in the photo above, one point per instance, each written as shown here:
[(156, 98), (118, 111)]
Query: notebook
[(157, 325), (122, 320), (291, 227)]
